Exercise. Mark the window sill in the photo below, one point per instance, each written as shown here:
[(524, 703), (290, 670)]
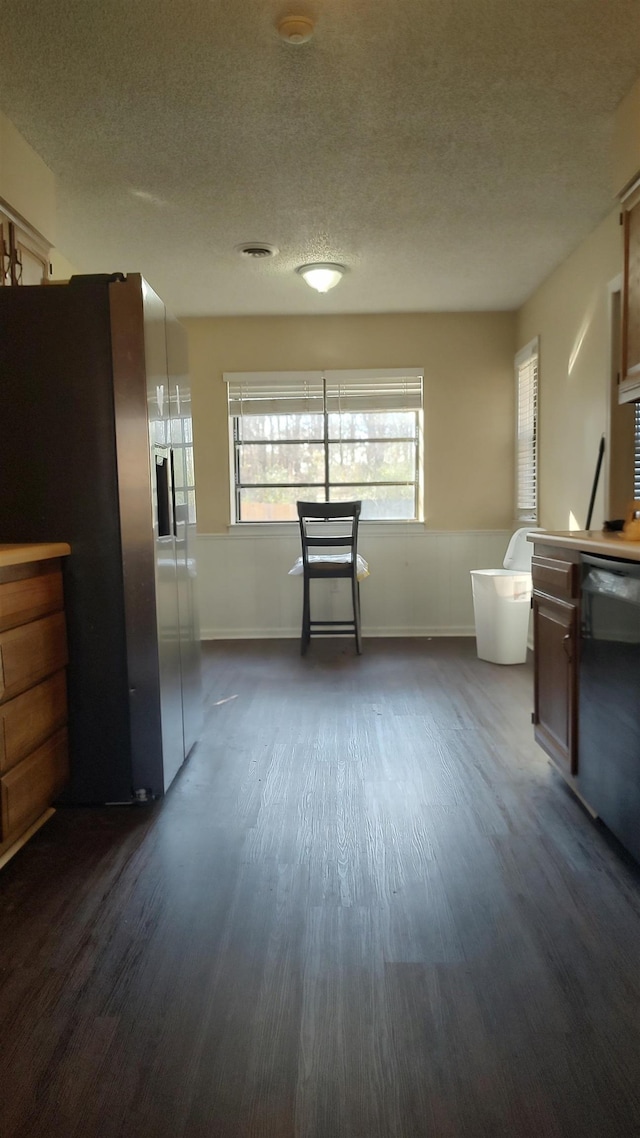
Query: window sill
[(274, 529)]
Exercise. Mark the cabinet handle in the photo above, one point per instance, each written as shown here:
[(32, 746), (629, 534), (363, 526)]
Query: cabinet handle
[(566, 641)]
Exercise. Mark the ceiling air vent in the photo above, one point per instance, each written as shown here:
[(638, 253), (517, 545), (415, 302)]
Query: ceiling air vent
[(257, 250)]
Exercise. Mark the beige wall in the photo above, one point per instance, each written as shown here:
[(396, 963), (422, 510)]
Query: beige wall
[(26, 184), (61, 268), (468, 361), (570, 313)]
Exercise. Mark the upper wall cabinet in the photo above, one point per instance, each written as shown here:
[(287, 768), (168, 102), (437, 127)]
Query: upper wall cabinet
[(24, 255), (629, 390)]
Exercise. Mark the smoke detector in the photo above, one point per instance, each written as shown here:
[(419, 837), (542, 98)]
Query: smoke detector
[(257, 250), (295, 29)]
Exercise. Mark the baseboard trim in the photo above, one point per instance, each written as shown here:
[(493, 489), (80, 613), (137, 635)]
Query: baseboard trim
[(294, 634)]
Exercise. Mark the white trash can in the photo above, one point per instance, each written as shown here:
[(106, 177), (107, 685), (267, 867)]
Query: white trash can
[(501, 606)]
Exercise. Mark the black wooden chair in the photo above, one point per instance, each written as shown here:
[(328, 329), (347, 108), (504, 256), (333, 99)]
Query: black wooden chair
[(345, 515)]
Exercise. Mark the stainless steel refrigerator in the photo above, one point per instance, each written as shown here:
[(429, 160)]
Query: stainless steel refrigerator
[(96, 449)]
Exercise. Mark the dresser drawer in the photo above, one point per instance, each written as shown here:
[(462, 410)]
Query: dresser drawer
[(30, 718), (555, 576), (30, 653), (28, 788), (29, 597)]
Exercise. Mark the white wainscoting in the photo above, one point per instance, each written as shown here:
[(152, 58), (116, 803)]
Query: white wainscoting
[(419, 583)]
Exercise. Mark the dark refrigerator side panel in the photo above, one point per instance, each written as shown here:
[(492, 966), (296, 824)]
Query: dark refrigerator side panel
[(164, 532), (138, 531), (59, 483)]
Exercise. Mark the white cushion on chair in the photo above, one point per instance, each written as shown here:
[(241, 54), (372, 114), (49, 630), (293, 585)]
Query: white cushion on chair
[(332, 559)]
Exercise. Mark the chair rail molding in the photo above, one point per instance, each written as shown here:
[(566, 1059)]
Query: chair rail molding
[(420, 582)]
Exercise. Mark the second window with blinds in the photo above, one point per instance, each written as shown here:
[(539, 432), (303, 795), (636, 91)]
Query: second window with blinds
[(526, 371), (326, 436)]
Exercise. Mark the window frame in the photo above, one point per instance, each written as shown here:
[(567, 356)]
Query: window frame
[(326, 441), (526, 356)]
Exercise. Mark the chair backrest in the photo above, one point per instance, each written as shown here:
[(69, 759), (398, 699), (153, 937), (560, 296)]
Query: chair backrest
[(338, 512)]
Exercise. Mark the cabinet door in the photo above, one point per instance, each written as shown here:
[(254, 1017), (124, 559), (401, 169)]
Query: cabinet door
[(629, 389), (24, 255), (31, 263), (5, 251), (555, 629)]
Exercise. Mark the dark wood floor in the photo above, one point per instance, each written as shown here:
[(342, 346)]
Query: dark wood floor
[(367, 908)]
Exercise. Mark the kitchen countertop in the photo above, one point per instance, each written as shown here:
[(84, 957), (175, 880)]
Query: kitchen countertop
[(34, 551), (589, 541)]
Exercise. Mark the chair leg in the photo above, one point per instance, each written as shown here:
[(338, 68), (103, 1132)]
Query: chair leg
[(355, 593), (306, 619)]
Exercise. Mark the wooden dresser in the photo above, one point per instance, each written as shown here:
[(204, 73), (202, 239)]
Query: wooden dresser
[(34, 759)]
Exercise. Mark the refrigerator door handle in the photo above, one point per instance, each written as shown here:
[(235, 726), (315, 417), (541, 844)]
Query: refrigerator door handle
[(173, 493), (164, 491)]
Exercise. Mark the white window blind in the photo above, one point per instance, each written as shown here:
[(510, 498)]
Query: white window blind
[(352, 390), (275, 393), (357, 391), (526, 369)]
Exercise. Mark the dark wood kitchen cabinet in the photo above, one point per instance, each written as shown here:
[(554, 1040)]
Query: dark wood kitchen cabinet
[(24, 254), (586, 599), (629, 386), (556, 639), (34, 761)]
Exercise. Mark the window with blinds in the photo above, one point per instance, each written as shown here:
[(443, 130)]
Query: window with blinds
[(526, 371), (326, 436)]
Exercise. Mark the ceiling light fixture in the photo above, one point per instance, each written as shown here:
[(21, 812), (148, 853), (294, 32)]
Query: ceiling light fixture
[(295, 29), (322, 276)]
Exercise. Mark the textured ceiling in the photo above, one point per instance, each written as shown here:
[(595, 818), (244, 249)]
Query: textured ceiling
[(449, 152)]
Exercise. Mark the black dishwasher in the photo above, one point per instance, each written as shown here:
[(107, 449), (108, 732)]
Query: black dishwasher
[(609, 695)]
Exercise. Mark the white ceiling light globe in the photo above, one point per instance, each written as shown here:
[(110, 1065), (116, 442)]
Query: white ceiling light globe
[(321, 276)]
